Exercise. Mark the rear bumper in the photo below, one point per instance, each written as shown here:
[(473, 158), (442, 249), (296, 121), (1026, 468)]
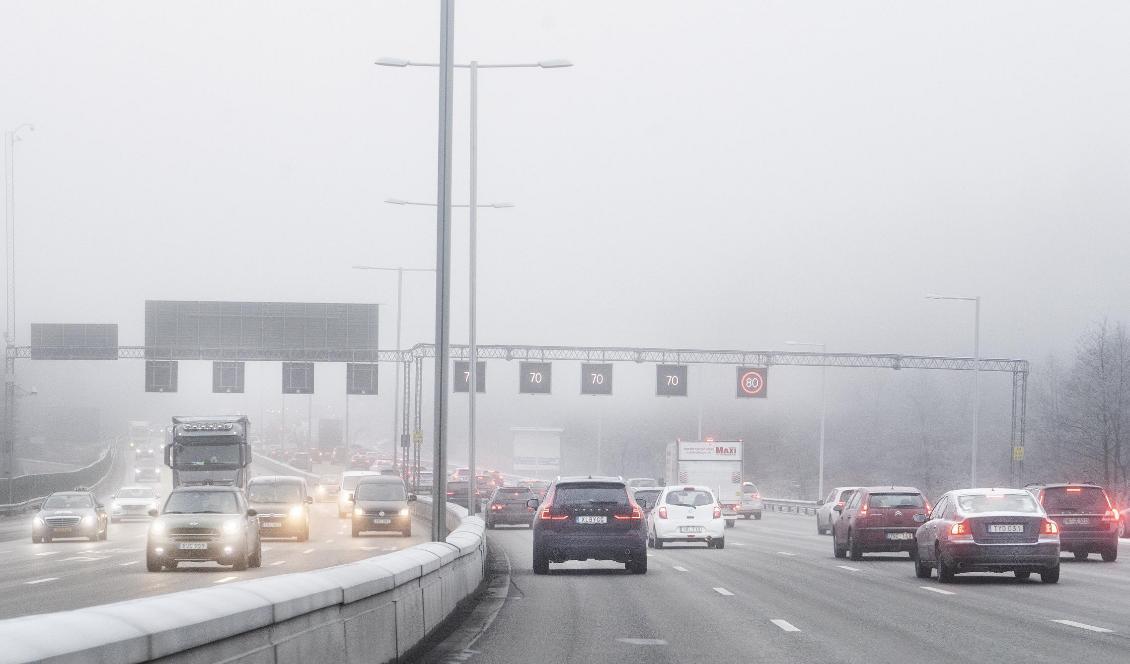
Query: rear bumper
[(878, 539), (974, 557), (618, 547), (516, 518), (668, 530), (1088, 542)]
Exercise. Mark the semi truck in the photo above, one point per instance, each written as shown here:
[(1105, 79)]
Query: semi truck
[(715, 464), (209, 450)]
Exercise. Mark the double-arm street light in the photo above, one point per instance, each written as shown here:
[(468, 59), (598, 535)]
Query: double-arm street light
[(823, 409), (976, 300)]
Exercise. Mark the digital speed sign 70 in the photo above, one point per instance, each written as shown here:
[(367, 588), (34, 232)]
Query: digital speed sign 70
[(535, 377), (671, 380), (596, 379)]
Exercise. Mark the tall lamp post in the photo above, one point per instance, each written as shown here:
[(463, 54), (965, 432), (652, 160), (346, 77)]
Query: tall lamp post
[(8, 444), (472, 347), (976, 300), (823, 409), (399, 270)]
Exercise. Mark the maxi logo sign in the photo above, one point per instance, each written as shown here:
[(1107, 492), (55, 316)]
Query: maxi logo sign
[(710, 451)]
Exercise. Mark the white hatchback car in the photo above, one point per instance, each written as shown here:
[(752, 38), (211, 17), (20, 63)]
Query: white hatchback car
[(825, 512), (686, 514)]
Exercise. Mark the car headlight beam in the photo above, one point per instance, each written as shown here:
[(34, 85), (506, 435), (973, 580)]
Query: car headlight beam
[(404, 512), (296, 512), (158, 528), (231, 527), (357, 511)]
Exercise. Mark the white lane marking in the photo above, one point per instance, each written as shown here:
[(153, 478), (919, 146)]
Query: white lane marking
[(785, 553), (848, 568), (132, 562), (643, 642), (308, 551), (937, 590), (329, 541), (680, 569), (278, 562), (738, 544), (651, 555), (1089, 628), (266, 548), (50, 578), (226, 579), (85, 559), (47, 553), (785, 625), (724, 592), (372, 548)]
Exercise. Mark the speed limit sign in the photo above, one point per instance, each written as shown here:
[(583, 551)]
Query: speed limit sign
[(752, 382)]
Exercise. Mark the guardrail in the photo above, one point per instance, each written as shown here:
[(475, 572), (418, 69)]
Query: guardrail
[(377, 610), (22, 491), (790, 506)]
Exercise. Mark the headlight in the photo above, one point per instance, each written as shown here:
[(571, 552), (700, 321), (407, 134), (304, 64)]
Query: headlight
[(320, 490), (151, 506), (37, 522), (357, 511), (296, 512), (88, 520), (231, 527), (115, 506), (404, 512), (136, 471), (158, 528)]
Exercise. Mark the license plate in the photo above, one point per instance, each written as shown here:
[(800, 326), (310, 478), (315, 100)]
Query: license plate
[(900, 536), (383, 522), (62, 531), (193, 546), (1006, 528), (270, 524), (592, 519), (1076, 522), (690, 529)]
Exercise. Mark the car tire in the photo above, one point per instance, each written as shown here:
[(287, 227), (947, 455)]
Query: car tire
[(105, 533), (922, 570), (36, 540), (945, 570), (490, 525), (855, 551), (658, 542), (1050, 575), (837, 550), (719, 543), (305, 534), (354, 531), (746, 516), (407, 532), (1110, 554), (152, 563), (819, 528), (240, 563), (730, 523), (541, 563), (1022, 576), (47, 538), (257, 557), (757, 516), (650, 541), (1080, 555), (638, 565)]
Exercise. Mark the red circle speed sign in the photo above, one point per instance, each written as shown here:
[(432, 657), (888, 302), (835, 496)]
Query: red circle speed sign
[(751, 382)]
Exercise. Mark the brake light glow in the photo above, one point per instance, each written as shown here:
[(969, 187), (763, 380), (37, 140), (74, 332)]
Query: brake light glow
[(1050, 528), (960, 530), (863, 509), (1074, 489), (634, 516), (547, 516), (662, 511), (1111, 515), (496, 507), (717, 511), (841, 503)]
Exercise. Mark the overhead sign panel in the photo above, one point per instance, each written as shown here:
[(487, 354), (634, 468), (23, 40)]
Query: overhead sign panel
[(360, 378), (66, 341), (753, 382), (596, 379), (298, 377), (311, 332), (160, 376), (535, 377), (227, 377), (461, 376), (671, 380)]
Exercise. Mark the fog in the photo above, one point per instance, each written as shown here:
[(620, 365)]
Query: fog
[(731, 176)]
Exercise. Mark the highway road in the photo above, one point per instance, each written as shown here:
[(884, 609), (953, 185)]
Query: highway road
[(776, 594), (68, 574)]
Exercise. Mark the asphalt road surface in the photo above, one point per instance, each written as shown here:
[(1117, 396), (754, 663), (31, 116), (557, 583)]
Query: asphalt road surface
[(776, 594)]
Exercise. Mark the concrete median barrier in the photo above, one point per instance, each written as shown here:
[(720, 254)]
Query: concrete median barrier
[(376, 610)]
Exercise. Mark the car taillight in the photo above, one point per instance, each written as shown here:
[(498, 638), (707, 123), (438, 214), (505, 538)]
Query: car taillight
[(1111, 515), (841, 503), (662, 511), (495, 506), (960, 530), (863, 509), (635, 515), (546, 515), (1050, 528), (717, 511)]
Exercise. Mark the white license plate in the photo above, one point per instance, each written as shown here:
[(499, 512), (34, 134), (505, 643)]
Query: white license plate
[(1006, 528), (1076, 521), (383, 522), (193, 546), (270, 524), (690, 529), (592, 519), (900, 536)]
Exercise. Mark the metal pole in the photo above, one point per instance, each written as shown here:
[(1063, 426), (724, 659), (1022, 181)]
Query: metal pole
[(976, 385), (472, 349), (443, 268), (310, 422), (823, 416), (9, 437), (396, 393)]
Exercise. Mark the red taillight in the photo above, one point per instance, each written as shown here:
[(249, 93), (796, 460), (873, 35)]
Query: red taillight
[(547, 516), (717, 511), (662, 511), (841, 503), (635, 515), (1074, 489), (451, 493), (1050, 528), (863, 509), (960, 530), (496, 507)]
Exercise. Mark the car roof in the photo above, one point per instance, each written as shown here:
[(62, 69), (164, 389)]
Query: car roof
[(1059, 485), (358, 473), (380, 479), (277, 479), (989, 491), (206, 487), (138, 486), (680, 487), (590, 478), (72, 492), (888, 489)]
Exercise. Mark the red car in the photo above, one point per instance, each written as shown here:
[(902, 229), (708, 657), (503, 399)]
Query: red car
[(878, 519)]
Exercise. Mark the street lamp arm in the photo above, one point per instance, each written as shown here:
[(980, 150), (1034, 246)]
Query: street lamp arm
[(555, 63)]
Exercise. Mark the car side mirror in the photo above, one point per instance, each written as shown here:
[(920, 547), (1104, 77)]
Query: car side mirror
[(819, 502), (411, 497), (838, 508), (153, 512), (532, 503), (252, 513), (99, 506), (309, 500)]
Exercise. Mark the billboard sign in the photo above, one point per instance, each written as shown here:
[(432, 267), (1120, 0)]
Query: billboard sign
[(66, 341), (160, 376), (227, 377), (360, 378), (298, 377)]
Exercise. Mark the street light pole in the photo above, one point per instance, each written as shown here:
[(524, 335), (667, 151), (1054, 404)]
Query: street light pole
[(8, 444), (823, 410), (976, 300)]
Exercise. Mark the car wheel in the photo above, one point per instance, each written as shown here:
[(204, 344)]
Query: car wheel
[(490, 525), (407, 532), (257, 557), (819, 528), (47, 538), (1110, 554), (1050, 575), (757, 516), (105, 533), (719, 543), (837, 550), (922, 570), (638, 565), (36, 540), (746, 516), (855, 550), (305, 534), (240, 562), (650, 541), (152, 563), (1022, 575), (541, 563), (355, 531), (658, 542), (1080, 555), (945, 570)]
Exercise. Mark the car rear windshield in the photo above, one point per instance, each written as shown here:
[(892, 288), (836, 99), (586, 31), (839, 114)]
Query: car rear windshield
[(999, 502), (135, 493), (1078, 499), (896, 500), (514, 491), (650, 495), (202, 502), (572, 495), (689, 498), (349, 482), (264, 492), (73, 501), (380, 491)]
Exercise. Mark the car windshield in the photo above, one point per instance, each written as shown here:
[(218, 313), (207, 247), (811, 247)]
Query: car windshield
[(269, 492), (201, 502), (67, 502), (689, 498), (573, 495), (134, 492), (380, 491), (1079, 500), (349, 482), (896, 500), (998, 502)]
